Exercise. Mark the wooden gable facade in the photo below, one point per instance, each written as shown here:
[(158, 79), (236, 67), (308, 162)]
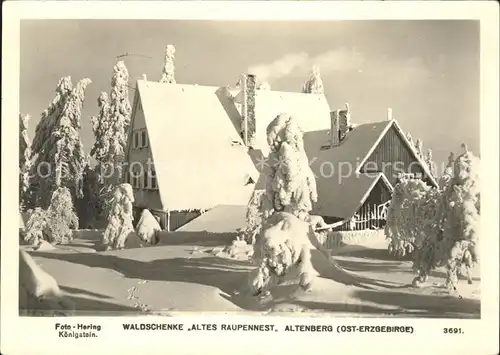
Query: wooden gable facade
[(393, 156), (360, 200)]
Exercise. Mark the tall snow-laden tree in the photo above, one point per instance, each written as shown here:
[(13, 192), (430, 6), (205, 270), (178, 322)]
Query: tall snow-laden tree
[(168, 75), (119, 117), (112, 122), (291, 186), (111, 128), (24, 161), (315, 84), (60, 158), (120, 218), (101, 126)]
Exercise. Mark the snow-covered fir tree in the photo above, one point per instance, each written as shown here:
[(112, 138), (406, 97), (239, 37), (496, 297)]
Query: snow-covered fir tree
[(119, 119), (253, 216), (314, 85), (60, 158), (111, 128), (120, 218), (168, 75), (112, 122), (24, 143), (441, 224), (291, 186), (101, 126)]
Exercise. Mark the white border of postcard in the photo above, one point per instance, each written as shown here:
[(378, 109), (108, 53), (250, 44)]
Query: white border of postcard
[(37, 335)]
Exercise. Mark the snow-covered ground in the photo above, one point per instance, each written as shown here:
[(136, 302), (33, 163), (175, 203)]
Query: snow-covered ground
[(199, 276)]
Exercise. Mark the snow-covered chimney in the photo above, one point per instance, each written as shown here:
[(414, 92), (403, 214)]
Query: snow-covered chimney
[(334, 128), (389, 114), (248, 109), (344, 122)]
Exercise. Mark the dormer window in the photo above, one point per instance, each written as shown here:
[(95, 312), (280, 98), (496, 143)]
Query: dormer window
[(249, 181)]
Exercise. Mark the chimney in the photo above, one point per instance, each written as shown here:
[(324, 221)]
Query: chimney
[(389, 114), (334, 128), (248, 110), (344, 122)]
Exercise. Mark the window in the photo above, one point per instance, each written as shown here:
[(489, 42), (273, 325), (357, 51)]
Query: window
[(135, 181), (154, 183), (140, 139), (150, 179), (136, 140)]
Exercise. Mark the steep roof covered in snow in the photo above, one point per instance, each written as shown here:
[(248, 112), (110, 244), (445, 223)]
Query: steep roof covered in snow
[(311, 111), (352, 151), (199, 158), (220, 219), (343, 199)]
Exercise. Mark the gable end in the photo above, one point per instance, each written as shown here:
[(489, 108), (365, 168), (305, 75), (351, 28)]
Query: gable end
[(392, 156)]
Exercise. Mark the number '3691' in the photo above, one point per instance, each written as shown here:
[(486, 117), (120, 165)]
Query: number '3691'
[(453, 331)]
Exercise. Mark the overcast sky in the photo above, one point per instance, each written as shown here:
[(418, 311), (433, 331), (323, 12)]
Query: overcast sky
[(426, 71)]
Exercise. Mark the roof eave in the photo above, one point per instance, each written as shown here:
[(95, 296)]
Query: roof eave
[(419, 159)]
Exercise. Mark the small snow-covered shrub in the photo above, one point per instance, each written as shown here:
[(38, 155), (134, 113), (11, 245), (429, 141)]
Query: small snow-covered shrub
[(120, 218), (54, 224), (62, 216), (36, 226), (148, 228)]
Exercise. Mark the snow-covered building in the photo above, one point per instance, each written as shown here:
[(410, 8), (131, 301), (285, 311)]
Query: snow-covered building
[(356, 167), (193, 147)]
